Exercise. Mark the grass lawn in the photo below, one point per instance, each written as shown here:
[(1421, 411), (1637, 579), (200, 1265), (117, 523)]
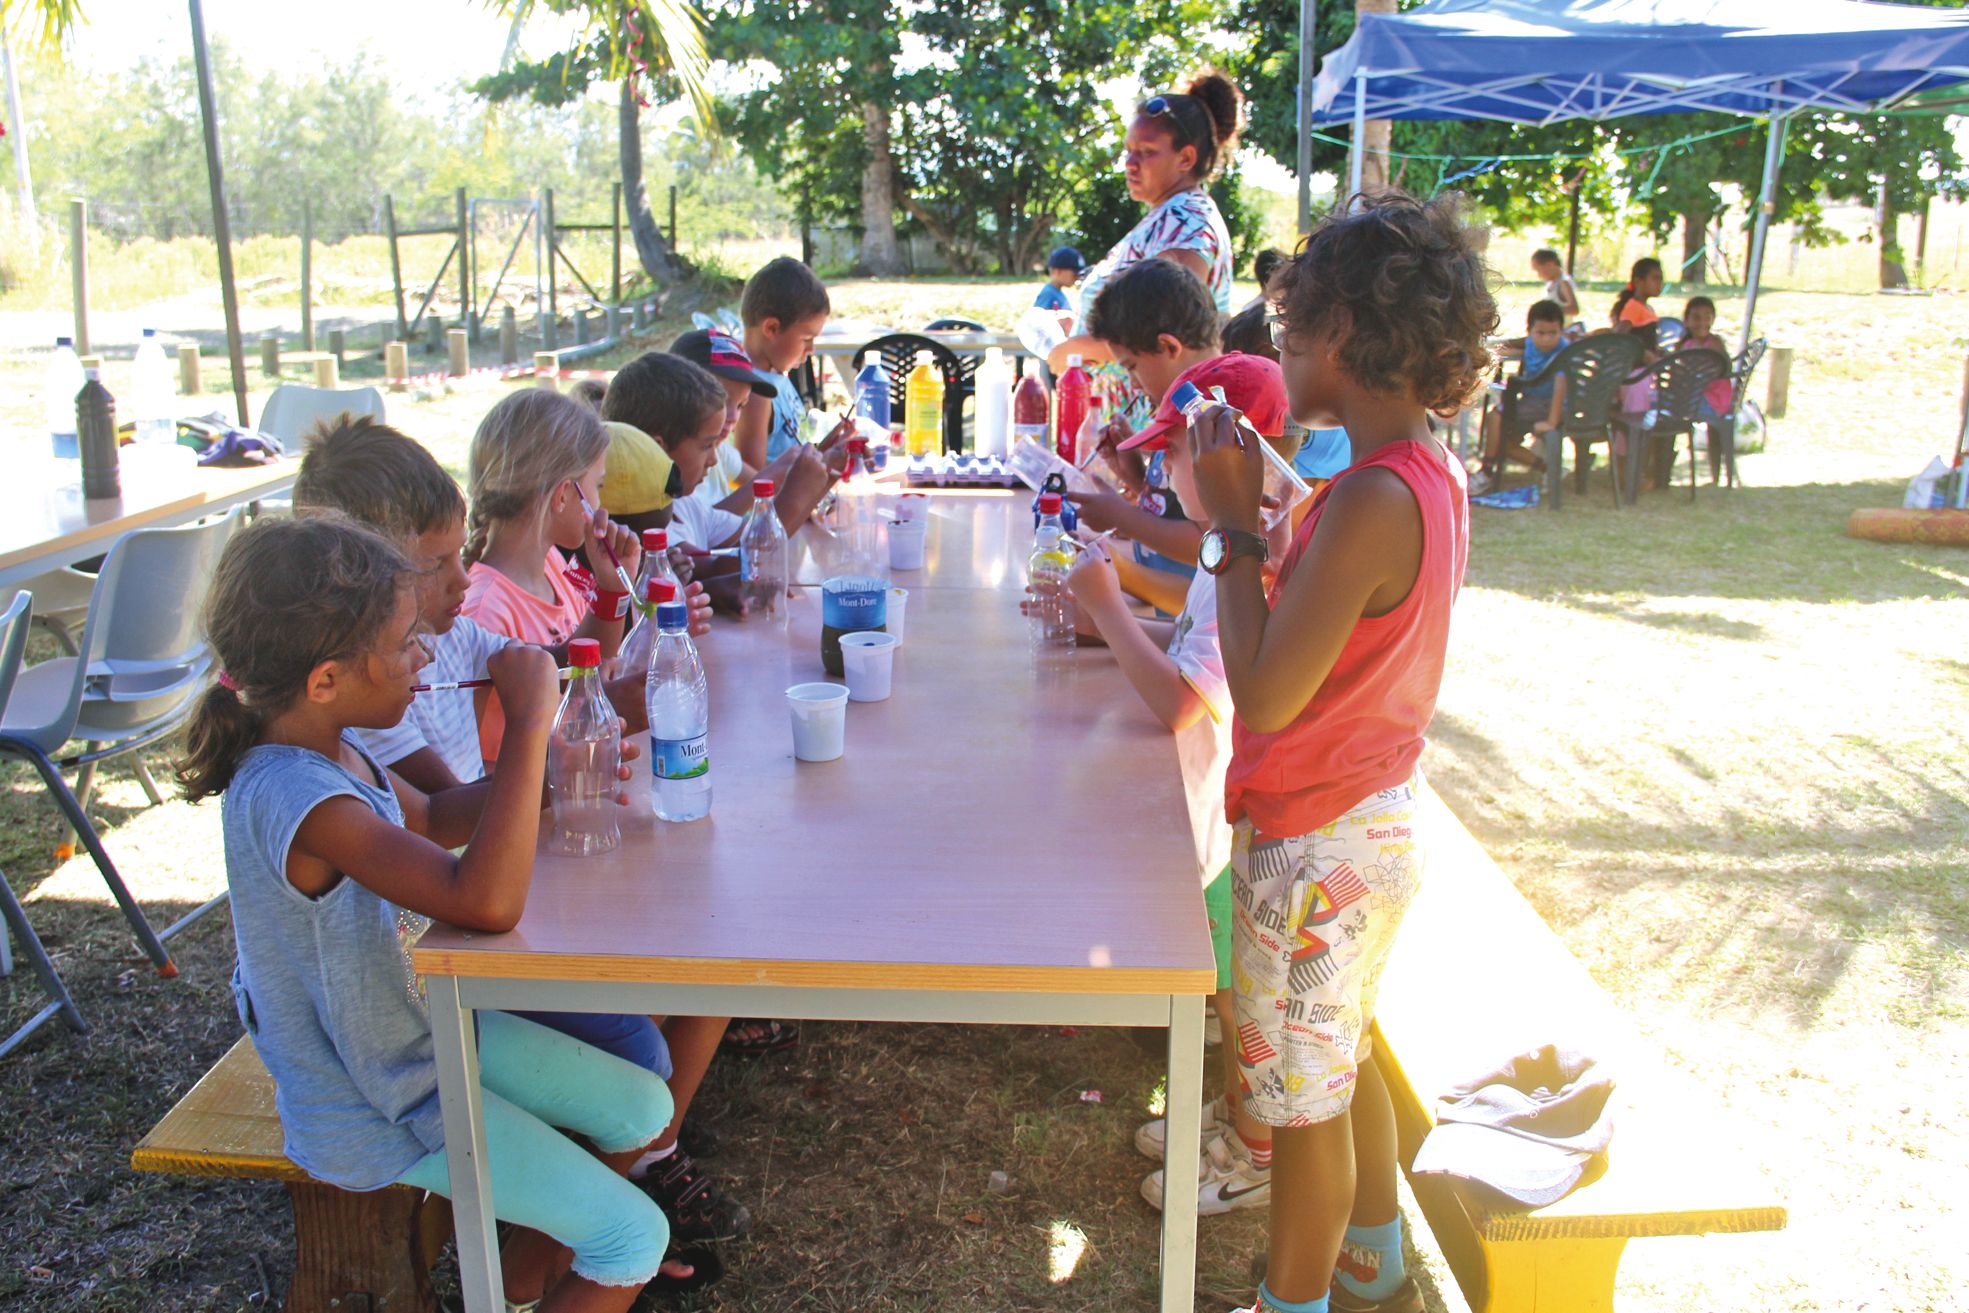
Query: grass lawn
[(1719, 746)]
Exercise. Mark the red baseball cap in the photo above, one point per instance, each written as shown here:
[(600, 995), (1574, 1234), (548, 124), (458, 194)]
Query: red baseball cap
[(1252, 384), (724, 355)]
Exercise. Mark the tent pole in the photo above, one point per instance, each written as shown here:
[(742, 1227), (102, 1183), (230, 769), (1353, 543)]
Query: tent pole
[(1766, 203), (208, 111), (1308, 21), (1358, 148)]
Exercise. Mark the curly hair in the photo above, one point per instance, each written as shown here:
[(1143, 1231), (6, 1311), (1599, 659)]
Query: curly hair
[(288, 595), (1402, 284)]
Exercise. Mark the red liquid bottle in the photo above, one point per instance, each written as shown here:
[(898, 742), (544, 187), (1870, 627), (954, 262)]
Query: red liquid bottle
[(1032, 411), (1076, 386)]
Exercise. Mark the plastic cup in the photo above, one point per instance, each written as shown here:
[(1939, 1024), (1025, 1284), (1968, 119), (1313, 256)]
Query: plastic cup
[(898, 604), (869, 658), (907, 539), (820, 720)]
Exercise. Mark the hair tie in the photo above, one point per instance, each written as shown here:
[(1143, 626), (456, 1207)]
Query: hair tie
[(227, 682)]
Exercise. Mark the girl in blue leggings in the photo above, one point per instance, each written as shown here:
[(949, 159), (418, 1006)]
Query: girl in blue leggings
[(336, 866)]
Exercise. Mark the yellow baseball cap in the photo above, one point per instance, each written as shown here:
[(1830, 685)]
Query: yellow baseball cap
[(637, 475)]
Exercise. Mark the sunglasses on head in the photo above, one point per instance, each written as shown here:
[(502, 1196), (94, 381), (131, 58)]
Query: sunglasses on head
[(1164, 107)]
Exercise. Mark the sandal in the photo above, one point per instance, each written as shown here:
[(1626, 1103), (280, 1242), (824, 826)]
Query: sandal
[(764, 1037), (707, 1269)]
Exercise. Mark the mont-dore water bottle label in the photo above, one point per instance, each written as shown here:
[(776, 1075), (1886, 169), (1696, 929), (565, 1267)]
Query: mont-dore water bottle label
[(679, 759), (849, 604)]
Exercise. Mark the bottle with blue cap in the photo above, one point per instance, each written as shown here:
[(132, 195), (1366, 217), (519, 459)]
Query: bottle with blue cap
[(679, 704), (1283, 488)]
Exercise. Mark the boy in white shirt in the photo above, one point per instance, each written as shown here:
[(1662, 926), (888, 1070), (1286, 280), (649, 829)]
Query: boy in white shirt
[(1179, 672)]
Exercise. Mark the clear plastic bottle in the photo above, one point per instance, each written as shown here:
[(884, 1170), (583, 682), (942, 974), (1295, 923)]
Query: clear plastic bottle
[(634, 655), (1088, 440), (762, 555), (1051, 610), (679, 717), (63, 380), (656, 565), (150, 393), (583, 757), (1032, 412), (1076, 386)]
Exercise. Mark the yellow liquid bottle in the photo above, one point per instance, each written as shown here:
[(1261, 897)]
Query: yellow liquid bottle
[(923, 408)]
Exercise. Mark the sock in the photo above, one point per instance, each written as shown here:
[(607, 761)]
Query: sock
[(1371, 1260), (640, 1168), (1267, 1300), (1260, 1151)]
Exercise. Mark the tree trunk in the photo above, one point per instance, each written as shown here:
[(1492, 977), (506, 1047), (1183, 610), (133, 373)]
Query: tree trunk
[(1695, 261), (1886, 221), (959, 253), (881, 257), (1379, 135), (659, 261)]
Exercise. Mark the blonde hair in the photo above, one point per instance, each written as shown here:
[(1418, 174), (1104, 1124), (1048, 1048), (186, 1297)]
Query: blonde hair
[(524, 447)]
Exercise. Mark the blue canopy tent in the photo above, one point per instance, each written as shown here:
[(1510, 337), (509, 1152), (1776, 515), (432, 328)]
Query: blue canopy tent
[(1549, 61)]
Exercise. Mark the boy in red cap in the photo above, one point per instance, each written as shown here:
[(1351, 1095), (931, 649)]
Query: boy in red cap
[(1178, 670)]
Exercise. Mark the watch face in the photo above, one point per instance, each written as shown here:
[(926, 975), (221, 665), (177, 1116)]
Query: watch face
[(1210, 552)]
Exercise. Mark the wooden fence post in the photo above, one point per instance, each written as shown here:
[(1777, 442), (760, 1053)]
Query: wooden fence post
[(270, 355), (547, 370), (465, 244), (396, 364), (190, 383), (549, 319), (396, 266), (461, 352), (509, 337), (1778, 394), (327, 372), (615, 245), (673, 216), (435, 340), (338, 342)]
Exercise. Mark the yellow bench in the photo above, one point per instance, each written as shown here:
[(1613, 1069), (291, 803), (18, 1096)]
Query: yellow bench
[(1476, 977), (370, 1250)]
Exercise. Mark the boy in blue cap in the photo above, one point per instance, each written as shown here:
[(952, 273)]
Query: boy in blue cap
[(1063, 269)]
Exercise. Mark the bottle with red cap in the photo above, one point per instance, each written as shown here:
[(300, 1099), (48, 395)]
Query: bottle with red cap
[(1032, 412), (762, 556), (584, 755), (656, 565), (1051, 607), (633, 656)]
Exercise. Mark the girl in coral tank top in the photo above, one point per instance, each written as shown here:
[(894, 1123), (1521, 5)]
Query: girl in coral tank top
[(1334, 673)]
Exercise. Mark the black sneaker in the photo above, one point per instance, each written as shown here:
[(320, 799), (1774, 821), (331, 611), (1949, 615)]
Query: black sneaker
[(698, 1210)]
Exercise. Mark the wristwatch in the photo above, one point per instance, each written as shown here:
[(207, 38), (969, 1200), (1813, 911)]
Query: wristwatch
[(1222, 546)]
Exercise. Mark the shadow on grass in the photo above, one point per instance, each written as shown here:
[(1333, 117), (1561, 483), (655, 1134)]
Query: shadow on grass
[(1753, 544), (33, 824), (1687, 622), (1775, 914)]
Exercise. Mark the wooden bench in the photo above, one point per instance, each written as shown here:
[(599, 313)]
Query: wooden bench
[(1476, 977), (353, 1252)]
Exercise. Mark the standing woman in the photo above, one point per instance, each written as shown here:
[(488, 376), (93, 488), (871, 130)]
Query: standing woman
[(1176, 144)]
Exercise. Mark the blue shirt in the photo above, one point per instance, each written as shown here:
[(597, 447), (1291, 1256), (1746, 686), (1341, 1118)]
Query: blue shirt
[(1323, 454), (1052, 298), (324, 985), (1536, 360), (789, 413)]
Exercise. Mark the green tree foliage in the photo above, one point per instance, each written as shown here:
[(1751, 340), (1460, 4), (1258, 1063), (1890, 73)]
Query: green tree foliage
[(1003, 135)]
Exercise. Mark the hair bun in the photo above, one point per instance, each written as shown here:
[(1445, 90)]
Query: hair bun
[(1220, 96)]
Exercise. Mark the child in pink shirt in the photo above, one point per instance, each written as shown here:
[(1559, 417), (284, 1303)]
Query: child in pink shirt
[(535, 478)]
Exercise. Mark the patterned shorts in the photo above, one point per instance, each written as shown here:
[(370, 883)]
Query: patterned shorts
[(1313, 919)]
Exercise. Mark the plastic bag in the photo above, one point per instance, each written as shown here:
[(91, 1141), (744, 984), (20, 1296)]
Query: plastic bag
[(1924, 490)]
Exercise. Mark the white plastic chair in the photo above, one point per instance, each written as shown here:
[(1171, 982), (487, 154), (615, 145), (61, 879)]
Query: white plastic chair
[(292, 410), (61, 601), (13, 641), (143, 662)]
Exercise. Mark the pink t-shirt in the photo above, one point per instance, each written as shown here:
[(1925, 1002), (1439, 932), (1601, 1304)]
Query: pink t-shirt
[(500, 605)]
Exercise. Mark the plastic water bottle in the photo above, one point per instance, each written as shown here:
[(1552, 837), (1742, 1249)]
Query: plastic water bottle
[(872, 393), (994, 384), (64, 380), (762, 555), (634, 654), (656, 565), (1089, 438), (1076, 386), (583, 757), (679, 717), (150, 394), (923, 408), (1046, 574)]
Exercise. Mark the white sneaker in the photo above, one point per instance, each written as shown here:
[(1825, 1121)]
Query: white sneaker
[(1226, 1180), (1213, 1031), (1151, 1137)]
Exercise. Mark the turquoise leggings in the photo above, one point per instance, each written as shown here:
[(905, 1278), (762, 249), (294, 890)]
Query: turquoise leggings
[(534, 1080)]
